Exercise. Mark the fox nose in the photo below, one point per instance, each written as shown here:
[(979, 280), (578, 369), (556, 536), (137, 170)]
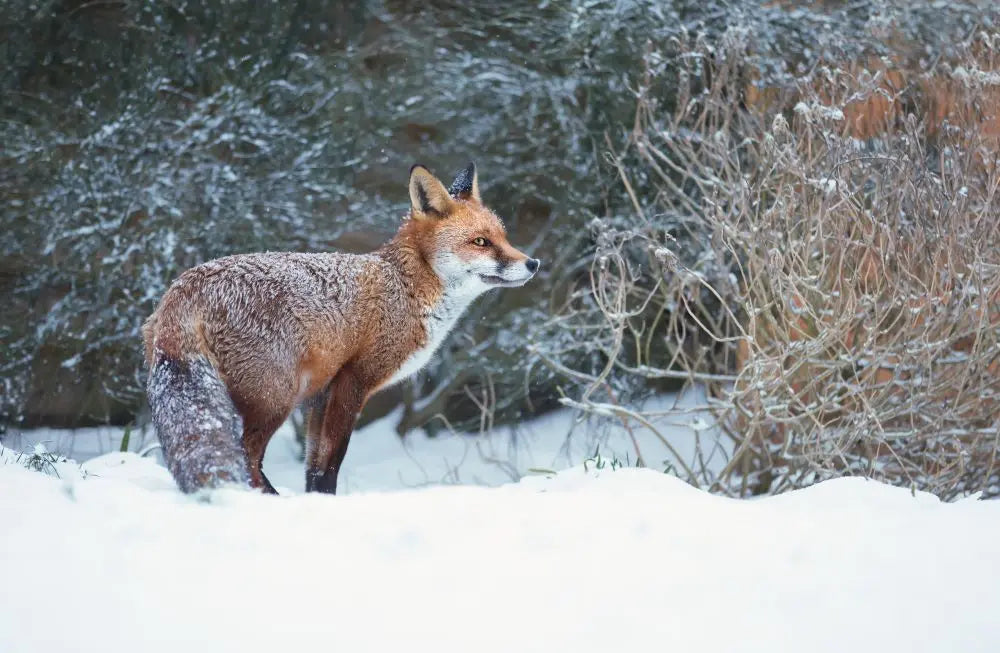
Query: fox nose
[(532, 264)]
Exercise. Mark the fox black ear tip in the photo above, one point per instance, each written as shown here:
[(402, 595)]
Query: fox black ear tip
[(415, 166)]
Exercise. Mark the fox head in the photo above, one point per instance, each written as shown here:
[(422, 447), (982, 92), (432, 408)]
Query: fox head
[(464, 241)]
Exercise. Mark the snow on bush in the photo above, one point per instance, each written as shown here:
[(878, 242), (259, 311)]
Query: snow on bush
[(821, 259)]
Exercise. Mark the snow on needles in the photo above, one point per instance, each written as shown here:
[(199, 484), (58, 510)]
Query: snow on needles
[(596, 560)]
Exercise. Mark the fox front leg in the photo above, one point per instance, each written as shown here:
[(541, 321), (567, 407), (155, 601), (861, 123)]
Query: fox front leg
[(330, 428)]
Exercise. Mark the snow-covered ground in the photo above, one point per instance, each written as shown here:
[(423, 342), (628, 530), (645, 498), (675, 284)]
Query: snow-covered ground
[(110, 557), (377, 459)]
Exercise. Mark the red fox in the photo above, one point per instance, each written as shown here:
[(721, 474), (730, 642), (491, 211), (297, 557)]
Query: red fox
[(236, 343)]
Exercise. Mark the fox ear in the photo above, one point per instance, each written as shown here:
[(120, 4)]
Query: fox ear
[(427, 194), (466, 184)]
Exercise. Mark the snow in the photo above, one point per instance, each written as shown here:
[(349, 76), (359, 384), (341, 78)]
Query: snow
[(592, 561), (109, 557), (817, 111), (377, 459)]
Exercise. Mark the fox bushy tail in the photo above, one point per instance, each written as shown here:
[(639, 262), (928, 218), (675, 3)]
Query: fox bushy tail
[(197, 423)]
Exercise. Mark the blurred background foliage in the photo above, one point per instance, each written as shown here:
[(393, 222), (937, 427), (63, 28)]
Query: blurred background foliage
[(138, 139)]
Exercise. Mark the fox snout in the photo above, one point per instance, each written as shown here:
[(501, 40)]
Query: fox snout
[(530, 266), (512, 274)]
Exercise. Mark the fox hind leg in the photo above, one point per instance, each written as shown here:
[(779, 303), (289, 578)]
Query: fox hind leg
[(260, 421), (330, 426), (255, 439)]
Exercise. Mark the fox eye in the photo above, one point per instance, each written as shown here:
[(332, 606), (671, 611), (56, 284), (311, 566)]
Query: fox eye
[(479, 241)]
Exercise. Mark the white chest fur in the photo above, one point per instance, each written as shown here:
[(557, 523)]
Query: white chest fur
[(438, 322)]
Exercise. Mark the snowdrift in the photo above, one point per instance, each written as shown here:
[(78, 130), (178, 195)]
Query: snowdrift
[(116, 559)]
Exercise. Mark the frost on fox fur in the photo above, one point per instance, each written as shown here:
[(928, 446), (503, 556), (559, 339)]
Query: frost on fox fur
[(197, 424), (275, 329)]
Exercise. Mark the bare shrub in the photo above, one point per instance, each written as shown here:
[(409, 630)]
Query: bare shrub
[(841, 305)]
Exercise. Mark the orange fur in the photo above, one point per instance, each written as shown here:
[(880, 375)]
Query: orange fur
[(332, 329)]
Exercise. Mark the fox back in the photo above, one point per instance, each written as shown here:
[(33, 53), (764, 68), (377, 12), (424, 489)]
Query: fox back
[(259, 333)]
